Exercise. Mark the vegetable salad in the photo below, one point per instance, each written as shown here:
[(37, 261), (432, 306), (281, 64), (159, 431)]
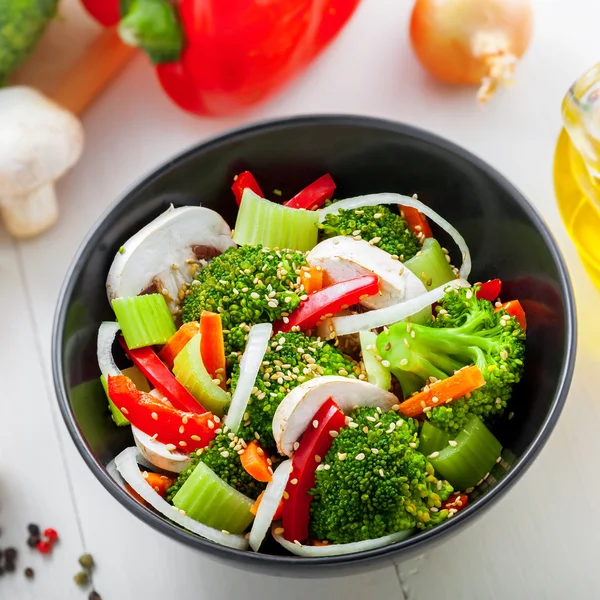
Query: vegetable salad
[(322, 374)]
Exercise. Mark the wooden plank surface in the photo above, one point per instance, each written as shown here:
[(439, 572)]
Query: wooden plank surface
[(539, 542)]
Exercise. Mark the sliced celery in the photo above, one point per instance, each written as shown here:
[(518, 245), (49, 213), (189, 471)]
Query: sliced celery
[(377, 374), (206, 498), (192, 374), (272, 225), (141, 383), (473, 457), (144, 320), (431, 439), (430, 265)]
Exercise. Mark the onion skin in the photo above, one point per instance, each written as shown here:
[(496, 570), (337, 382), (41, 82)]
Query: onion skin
[(471, 42)]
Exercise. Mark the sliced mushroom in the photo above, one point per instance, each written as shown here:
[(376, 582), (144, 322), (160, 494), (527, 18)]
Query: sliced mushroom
[(297, 409), (163, 255), (156, 453), (343, 258)]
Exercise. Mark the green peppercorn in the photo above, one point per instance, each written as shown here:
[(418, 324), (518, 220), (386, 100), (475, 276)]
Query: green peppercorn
[(86, 561), (82, 578)]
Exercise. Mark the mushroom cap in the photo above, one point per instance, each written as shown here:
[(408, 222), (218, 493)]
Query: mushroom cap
[(343, 258), (39, 140), (296, 411)]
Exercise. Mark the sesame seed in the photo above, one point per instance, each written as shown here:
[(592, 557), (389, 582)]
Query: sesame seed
[(371, 419), (182, 512), (225, 454), (294, 481), (211, 424), (154, 416), (435, 399), (353, 425), (403, 362), (434, 454), (317, 458), (341, 456), (320, 467), (196, 438), (278, 530), (359, 456), (412, 444), (170, 447), (124, 410), (374, 450), (315, 423), (185, 420), (183, 444), (386, 363), (333, 433), (296, 445), (453, 443), (286, 495)]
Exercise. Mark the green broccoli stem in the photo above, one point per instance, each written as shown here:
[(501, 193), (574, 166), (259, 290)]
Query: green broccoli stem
[(154, 26)]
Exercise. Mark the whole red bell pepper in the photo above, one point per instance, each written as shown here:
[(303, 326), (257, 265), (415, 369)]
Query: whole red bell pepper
[(232, 53)]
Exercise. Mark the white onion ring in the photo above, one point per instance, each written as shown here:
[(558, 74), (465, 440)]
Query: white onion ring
[(258, 340), (337, 549), (269, 503), (390, 314), (399, 199), (127, 464), (106, 336)]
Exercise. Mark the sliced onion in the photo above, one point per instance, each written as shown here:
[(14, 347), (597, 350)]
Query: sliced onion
[(127, 464), (157, 454), (106, 337), (258, 340), (269, 503), (390, 314), (337, 549), (399, 199)]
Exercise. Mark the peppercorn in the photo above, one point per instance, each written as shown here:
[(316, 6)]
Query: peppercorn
[(94, 595), (10, 554), (82, 578), (33, 529), (33, 541), (9, 566), (44, 547), (87, 561), (51, 534), (29, 573)]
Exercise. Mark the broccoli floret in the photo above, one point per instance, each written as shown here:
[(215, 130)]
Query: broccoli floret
[(291, 358), (389, 230), (374, 481), (246, 285), (465, 331), (224, 460)]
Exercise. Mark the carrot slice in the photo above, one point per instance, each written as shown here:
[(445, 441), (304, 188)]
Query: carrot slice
[(462, 382), (417, 221), (514, 309), (278, 512), (176, 344), (212, 346), (312, 279), (256, 462), (159, 483)]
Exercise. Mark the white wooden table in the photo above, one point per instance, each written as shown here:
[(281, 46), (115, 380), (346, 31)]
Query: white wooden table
[(539, 542)]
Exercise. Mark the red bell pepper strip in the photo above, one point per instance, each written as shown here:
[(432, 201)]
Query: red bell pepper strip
[(185, 430), (106, 12), (514, 309), (329, 301), (241, 182), (155, 371), (489, 290), (417, 221), (457, 502), (313, 196), (232, 54), (315, 442)]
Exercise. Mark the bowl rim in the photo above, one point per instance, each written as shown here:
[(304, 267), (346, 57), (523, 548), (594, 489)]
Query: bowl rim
[(416, 543)]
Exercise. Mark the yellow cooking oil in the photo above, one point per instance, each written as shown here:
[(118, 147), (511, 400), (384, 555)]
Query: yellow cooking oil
[(577, 169)]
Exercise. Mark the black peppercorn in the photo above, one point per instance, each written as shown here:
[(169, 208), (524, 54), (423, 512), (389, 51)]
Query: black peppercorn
[(10, 554), (33, 541), (33, 529), (94, 595)]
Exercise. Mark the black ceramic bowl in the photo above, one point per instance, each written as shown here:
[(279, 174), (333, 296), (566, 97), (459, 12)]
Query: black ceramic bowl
[(506, 237)]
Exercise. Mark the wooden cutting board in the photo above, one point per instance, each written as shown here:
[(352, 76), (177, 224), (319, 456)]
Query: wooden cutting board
[(75, 60)]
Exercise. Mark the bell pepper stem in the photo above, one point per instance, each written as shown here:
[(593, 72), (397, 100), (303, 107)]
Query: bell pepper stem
[(154, 26)]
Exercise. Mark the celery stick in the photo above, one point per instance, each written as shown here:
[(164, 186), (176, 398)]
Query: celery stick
[(430, 265), (144, 320), (377, 374), (431, 439), (206, 498), (272, 225), (141, 383), (473, 457), (192, 374)]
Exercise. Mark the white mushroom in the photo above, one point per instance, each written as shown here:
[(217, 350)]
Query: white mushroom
[(343, 258), (166, 253), (157, 454), (39, 141), (298, 408)]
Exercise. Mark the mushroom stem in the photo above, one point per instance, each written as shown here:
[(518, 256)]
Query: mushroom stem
[(28, 215)]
